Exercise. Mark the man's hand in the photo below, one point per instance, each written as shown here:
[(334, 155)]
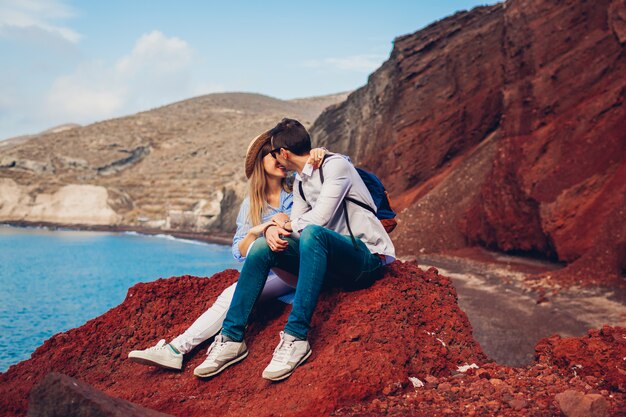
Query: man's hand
[(282, 220), (274, 240)]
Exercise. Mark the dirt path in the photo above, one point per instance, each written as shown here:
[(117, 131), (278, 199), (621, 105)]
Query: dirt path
[(509, 316)]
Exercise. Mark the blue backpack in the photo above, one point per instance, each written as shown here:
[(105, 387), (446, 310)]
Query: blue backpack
[(383, 210)]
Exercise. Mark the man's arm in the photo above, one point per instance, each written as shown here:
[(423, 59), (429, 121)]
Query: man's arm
[(337, 182)]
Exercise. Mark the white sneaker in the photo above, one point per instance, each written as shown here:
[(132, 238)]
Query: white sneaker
[(222, 353), (161, 354), (288, 355)]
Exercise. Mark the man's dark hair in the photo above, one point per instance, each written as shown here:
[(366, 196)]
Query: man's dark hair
[(291, 135)]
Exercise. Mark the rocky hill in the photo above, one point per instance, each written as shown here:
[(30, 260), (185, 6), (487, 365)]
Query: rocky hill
[(401, 347), (504, 127), (175, 168)]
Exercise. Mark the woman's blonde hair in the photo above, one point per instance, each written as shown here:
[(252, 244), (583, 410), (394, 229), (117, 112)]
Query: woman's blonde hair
[(257, 187)]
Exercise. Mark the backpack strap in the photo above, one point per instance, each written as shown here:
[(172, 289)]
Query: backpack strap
[(321, 176), (345, 211), (301, 191), (361, 204), (321, 168), (343, 203)]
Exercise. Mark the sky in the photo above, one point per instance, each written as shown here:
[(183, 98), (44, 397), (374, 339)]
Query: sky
[(67, 61)]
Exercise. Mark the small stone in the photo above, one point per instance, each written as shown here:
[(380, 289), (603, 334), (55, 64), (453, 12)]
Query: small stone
[(444, 386), (484, 374), (517, 404), (576, 404), (496, 381), (415, 381), (493, 404), (431, 379), (507, 397)]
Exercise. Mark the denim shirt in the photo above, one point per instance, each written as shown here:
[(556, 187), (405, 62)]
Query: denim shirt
[(244, 225)]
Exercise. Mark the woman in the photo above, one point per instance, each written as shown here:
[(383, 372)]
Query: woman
[(269, 193)]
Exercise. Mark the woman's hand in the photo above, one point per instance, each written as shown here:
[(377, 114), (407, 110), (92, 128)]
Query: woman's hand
[(279, 219), (258, 230), (315, 157), (273, 236)]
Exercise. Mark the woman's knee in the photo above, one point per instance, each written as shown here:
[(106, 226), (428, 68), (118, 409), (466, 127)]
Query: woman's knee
[(260, 247)]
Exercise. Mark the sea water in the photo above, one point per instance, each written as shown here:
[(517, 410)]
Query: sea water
[(52, 281)]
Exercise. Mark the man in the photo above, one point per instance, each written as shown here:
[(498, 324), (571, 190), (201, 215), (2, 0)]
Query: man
[(326, 236)]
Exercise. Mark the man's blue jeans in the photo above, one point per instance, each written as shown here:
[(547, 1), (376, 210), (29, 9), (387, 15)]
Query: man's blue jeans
[(319, 253)]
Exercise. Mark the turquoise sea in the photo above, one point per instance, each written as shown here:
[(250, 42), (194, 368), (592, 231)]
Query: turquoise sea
[(52, 281)]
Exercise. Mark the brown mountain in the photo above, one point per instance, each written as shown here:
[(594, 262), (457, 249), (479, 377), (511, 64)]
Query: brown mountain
[(504, 127), (175, 168)]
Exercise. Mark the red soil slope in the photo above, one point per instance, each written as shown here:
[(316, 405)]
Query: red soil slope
[(366, 345), (590, 367), (363, 342)]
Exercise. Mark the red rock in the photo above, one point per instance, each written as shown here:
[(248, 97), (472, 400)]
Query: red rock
[(517, 391), (62, 396), (518, 404), (600, 354), (496, 382), (483, 374), (444, 386), (338, 374), (503, 127), (431, 380), (576, 404)]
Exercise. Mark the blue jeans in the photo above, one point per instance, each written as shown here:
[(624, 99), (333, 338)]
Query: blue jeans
[(319, 253)]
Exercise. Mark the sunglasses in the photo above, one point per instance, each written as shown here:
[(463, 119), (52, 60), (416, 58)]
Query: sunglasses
[(274, 151)]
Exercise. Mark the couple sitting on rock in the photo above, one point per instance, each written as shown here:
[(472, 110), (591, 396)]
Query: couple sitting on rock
[(307, 239)]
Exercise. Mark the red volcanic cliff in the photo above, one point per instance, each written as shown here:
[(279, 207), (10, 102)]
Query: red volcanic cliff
[(505, 127), (366, 345)]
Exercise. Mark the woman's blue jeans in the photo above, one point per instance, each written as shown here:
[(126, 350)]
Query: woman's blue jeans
[(319, 253)]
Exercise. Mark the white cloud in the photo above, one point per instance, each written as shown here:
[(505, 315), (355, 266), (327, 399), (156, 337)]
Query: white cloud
[(156, 53), (93, 90), (23, 18), (157, 71), (358, 63)]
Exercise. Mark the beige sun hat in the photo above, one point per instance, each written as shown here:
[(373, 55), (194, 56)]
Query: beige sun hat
[(253, 150)]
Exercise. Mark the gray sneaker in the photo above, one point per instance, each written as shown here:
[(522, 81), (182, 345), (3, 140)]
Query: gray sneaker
[(162, 355), (288, 355), (222, 353)]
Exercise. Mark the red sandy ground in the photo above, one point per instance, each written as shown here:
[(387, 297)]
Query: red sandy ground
[(366, 344)]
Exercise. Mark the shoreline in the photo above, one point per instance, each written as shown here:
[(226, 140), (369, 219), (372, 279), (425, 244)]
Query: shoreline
[(208, 237), (487, 284)]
